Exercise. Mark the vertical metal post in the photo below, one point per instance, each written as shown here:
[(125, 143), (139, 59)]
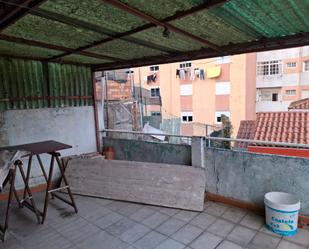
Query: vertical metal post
[(140, 98), (94, 96)]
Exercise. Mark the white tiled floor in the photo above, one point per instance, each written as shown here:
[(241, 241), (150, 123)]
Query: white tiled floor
[(106, 224)]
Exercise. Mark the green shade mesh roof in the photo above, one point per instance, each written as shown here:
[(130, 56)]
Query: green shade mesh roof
[(105, 31)]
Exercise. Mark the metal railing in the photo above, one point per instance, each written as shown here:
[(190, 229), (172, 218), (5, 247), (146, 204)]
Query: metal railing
[(220, 139)]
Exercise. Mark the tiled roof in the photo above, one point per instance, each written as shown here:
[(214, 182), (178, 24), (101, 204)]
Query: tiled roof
[(287, 127), (302, 104), (246, 131)]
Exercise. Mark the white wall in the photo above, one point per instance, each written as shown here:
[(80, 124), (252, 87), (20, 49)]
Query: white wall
[(70, 125), (186, 90), (272, 106), (223, 88), (280, 54)]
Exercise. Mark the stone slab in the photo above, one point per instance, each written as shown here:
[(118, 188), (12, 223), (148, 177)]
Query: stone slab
[(168, 185)]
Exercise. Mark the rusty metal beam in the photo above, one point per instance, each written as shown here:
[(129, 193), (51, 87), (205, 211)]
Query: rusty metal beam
[(207, 5), (18, 12), (54, 47), (95, 28), (157, 22), (298, 40), (77, 23)]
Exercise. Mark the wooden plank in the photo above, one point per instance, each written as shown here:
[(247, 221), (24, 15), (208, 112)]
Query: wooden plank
[(166, 185)]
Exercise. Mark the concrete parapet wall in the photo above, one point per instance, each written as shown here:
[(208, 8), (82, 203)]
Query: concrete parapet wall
[(248, 176), (135, 150)]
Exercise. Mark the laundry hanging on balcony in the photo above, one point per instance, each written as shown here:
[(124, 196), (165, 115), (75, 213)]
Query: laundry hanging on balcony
[(151, 78), (213, 72)]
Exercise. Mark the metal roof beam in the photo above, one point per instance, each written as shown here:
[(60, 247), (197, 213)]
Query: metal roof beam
[(54, 47), (95, 28), (78, 23), (298, 40), (157, 22), (18, 12)]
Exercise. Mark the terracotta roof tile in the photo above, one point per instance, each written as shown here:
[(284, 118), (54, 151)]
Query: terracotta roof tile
[(302, 104), (246, 131), (287, 127)]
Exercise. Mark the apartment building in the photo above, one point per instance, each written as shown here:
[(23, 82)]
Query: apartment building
[(199, 92), (282, 77)]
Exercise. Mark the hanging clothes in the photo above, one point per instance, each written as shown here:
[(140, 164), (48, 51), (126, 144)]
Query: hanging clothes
[(192, 74), (197, 72), (213, 72), (202, 74), (182, 74), (149, 79)]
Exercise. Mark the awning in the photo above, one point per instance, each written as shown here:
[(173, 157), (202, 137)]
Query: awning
[(114, 34)]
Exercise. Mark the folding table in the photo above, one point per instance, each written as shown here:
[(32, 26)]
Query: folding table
[(36, 149)]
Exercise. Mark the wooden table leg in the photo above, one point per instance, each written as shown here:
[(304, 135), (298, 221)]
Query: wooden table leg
[(50, 190), (27, 192)]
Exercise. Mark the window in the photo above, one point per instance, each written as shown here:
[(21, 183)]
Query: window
[(274, 97), (154, 68), (269, 67), (291, 64), (268, 94), (223, 88), (218, 118), (156, 114), (185, 64), (290, 92), (306, 66), (223, 60), (186, 90), (187, 117), (155, 92)]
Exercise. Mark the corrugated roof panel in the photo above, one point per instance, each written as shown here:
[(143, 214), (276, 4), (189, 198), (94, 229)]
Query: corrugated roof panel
[(76, 58), (161, 9), (24, 84), (173, 41), (14, 49), (69, 80), (40, 29), (125, 50), (208, 26), (95, 12), (274, 18), (18, 79)]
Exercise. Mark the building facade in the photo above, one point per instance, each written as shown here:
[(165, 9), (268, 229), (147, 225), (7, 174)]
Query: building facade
[(199, 92), (282, 77)]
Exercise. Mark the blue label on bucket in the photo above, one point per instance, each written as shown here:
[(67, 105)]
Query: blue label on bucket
[(283, 223)]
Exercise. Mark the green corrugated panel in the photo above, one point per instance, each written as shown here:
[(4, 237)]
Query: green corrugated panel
[(25, 78), (13, 49), (69, 80), (161, 9), (20, 78), (272, 18), (124, 50), (76, 58), (208, 26), (48, 31), (95, 12), (174, 41)]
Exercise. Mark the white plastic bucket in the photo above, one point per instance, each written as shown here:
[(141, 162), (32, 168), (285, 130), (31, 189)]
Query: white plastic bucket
[(281, 210)]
